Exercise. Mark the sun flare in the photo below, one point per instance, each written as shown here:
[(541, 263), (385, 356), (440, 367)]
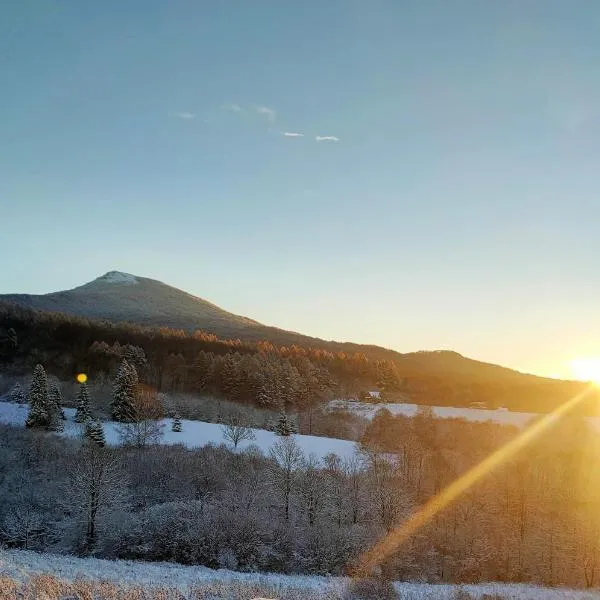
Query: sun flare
[(586, 369)]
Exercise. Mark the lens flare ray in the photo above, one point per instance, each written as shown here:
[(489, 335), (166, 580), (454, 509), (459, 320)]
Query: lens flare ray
[(393, 540)]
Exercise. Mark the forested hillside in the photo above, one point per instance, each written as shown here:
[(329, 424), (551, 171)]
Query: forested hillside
[(262, 372)]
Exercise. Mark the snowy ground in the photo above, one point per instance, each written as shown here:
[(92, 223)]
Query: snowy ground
[(193, 435), (502, 417), (20, 564)]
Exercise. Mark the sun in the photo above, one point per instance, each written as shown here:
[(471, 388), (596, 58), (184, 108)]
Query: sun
[(81, 378), (586, 369)]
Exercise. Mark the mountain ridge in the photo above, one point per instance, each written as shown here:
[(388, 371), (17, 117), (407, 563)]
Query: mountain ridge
[(117, 296)]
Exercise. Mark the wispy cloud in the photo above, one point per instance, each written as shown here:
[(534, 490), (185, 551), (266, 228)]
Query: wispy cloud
[(267, 112), (271, 116), (182, 114), (233, 107)]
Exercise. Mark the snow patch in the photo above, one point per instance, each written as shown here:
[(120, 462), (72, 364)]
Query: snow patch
[(118, 277), (501, 416)]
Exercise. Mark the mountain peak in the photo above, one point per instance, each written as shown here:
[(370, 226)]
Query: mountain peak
[(117, 277)]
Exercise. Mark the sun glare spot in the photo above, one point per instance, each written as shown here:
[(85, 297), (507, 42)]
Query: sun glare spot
[(586, 369), (82, 378)]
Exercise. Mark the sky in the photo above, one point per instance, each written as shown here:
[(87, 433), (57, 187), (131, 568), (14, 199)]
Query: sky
[(415, 174)]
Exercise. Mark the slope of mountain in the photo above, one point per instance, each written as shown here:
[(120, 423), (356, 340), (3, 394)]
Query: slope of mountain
[(118, 296)]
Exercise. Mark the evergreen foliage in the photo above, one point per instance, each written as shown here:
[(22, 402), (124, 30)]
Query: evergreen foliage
[(180, 361), (94, 432), (39, 413), (124, 393), (176, 424), (17, 394), (84, 413), (55, 400), (285, 425)]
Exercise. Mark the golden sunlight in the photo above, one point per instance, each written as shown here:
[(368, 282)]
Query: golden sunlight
[(586, 368), (375, 555), (82, 378)]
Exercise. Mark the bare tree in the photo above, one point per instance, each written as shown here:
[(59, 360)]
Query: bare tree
[(96, 484), (145, 427), (337, 489), (235, 431), (312, 489), (353, 470), (23, 525), (288, 457), (388, 496)]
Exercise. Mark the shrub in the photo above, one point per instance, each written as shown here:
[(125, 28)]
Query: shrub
[(462, 594), (370, 589)]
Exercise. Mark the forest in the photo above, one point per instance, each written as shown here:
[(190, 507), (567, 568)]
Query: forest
[(537, 518), (263, 373)]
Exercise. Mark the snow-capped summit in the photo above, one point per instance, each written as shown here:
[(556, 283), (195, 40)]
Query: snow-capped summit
[(117, 277)]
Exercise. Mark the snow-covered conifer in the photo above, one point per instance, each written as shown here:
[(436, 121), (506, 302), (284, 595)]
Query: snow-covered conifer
[(94, 432), (176, 424), (124, 393), (17, 394), (284, 426), (55, 400), (39, 415), (84, 413)]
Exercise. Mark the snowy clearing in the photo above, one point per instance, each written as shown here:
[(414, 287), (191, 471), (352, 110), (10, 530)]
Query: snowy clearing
[(21, 564), (502, 417), (194, 434)]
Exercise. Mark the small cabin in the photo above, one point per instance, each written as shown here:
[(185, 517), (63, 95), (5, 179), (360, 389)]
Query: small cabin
[(370, 396)]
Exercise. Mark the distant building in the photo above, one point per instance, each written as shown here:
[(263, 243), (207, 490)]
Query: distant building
[(370, 396), (477, 405)]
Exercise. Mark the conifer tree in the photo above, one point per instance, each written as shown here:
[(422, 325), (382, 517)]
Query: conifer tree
[(94, 432), (201, 371), (17, 394), (284, 425), (55, 410), (39, 415), (55, 400), (124, 393), (83, 414), (176, 424)]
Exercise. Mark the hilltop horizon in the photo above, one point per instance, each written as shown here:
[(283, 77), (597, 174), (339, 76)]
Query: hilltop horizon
[(105, 282)]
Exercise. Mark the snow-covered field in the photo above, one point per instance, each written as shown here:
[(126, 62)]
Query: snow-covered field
[(502, 417), (193, 435), (20, 565), (368, 411)]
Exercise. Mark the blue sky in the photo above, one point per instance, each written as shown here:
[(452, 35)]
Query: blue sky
[(455, 205)]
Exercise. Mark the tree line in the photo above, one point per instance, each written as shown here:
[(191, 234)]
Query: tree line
[(172, 360), (136, 406), (68, 345)]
